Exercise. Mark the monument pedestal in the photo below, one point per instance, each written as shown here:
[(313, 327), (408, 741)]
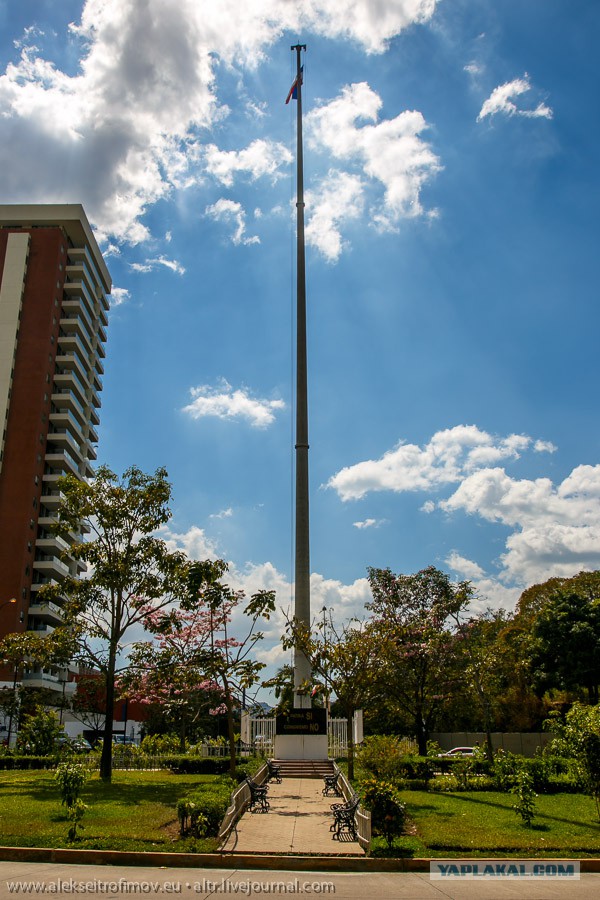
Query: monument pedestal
[(301, 746), (301, 734)]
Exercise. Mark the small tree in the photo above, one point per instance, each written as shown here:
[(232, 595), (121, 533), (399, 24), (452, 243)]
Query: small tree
[(131, 571), (525, 794), (343, 658), (578, 737), (170, 671), (38, 733), (225, 659)]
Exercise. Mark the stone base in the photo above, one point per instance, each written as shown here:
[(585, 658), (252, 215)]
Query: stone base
[(301, 746)]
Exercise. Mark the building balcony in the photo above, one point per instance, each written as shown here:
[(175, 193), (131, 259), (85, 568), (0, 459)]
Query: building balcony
[(64, 461), (52, 567), (52, 544), (69, 381), (46, 612), (64, 440)]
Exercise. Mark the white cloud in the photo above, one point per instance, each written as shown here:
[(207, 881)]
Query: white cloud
[(146, 86), (224, 514), (225, 402), (554, 529), (444, 460), (119, 295), (194, 542), (369, 523), (261, 158), (391, 153), (337, 199), (464, 568), (232, 213), (501, 100), (150, 265)]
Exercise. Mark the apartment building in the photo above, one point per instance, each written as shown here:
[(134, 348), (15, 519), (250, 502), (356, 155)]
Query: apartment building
[(53, 317)]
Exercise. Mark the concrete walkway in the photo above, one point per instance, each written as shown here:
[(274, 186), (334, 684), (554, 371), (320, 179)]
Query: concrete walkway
[(298, 822)]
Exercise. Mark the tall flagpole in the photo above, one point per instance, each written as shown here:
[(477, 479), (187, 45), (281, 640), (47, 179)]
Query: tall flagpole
[(302, 671)]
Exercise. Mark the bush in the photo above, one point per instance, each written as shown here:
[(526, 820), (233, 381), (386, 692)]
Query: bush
[(197, 765), (27, 762), (159, 744), (388, 812), (382, 756), (205, 808), (413, 766), (70, 777)]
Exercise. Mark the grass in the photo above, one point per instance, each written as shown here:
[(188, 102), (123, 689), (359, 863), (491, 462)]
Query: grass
[(137, 812), (484, 824), (134, 812)]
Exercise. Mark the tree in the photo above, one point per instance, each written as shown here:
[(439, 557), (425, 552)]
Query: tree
[(282, 684), (484, 664), (343, 658), (170, 671), (226, 659), (418, 652), (565, 643), (578, 737), (131, 571)]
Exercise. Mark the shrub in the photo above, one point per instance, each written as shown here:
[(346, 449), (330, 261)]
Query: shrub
[(157, 744), (205, 808), (388, 812), (70, 777), (382, 755), (525, 793)]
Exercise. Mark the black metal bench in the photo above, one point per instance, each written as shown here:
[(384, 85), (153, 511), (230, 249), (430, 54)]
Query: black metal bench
[(331, 785), (274, 771), (258, 796), (343, 817)]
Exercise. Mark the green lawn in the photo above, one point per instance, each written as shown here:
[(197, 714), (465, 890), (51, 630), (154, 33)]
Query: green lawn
[(482, 823), (135, 812)]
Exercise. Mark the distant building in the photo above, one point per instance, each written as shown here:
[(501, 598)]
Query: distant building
[(53, 318)]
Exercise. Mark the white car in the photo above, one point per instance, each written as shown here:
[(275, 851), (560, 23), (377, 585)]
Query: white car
[(457, 752)]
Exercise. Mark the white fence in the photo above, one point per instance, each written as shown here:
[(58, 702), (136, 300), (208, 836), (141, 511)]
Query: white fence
[(259, 731)]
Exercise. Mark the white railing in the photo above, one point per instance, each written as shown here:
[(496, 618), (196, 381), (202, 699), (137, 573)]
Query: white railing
[(362, 817)]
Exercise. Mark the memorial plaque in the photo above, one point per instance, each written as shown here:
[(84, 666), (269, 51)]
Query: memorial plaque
[(302, 721)]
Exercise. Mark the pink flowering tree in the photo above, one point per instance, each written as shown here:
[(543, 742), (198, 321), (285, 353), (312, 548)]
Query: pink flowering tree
[(226, 657), (169, 671)]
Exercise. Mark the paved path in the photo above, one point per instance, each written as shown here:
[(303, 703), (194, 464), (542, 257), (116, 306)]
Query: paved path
[(297, 822)]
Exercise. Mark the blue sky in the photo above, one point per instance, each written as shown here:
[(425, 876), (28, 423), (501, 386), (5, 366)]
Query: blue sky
[(452, 269)]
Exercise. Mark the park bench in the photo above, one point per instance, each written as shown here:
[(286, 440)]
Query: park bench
[(274, 771), (343, 817), (258, 796), (331, 785)]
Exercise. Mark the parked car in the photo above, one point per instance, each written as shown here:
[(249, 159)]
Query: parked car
[(457, 752), (123, 739), (80, 745)]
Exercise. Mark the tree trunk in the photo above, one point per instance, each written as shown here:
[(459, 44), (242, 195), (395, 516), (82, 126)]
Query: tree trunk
[(182, 731), (422, 734), (106, 757), (230, 730)]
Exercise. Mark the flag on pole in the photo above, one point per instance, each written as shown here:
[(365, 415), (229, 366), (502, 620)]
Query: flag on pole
[(293, 94)]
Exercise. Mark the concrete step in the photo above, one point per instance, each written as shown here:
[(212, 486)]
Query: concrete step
[(304, 768)]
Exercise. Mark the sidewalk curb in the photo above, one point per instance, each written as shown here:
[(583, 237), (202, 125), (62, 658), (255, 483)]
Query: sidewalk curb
[(234, 861)]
